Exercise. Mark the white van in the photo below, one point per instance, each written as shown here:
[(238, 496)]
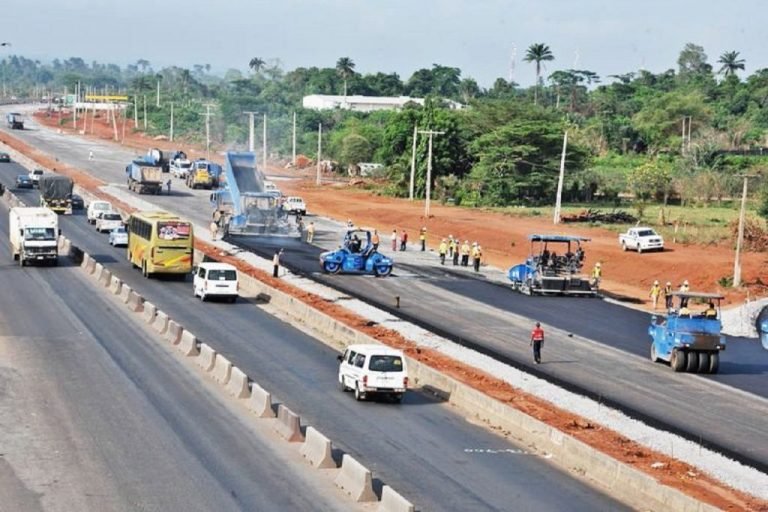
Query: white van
[(373, 369), (216, 280), (95, 208)]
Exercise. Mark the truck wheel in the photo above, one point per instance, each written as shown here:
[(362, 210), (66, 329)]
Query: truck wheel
[(678, 360), (359, 395), (624, 246), (331, 267), (382, 270), (703, 363), (654, 356), (692, 364), (639, 249), (343, 387), (714, 363)]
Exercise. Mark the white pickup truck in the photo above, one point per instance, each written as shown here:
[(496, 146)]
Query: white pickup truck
[(641, 239)]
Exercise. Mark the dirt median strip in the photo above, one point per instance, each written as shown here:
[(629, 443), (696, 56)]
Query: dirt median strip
[(667, 471)]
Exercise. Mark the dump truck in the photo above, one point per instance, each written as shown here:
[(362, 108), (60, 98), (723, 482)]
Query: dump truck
[(155, 156), (144, 177), (15, 121), (34, 235), (56, 193)]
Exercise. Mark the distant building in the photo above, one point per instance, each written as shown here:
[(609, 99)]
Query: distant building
[(364, 103)]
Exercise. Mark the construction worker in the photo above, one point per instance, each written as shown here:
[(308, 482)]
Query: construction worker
[(375, 240), (451, 246), (403, 240), (276, 262), (654, 294), (597, 274), (393, 237), (684, 288), (465, 250), (310, 232), (442, 250), (537, 340), (710, 312), (168, 186), (477, 253), (423, 238), (668, 295), (455, 251), (214, 230)]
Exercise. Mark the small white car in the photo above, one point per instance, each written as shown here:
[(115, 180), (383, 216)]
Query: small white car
[(214, 279), (118, 236), (108, 221), (373, 369), (95, 208), (180, 168), (35, 177), (294, 204)]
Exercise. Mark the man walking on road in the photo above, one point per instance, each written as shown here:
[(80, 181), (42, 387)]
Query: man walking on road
[(477, 254), (465, 249), (668, 295), (168, 185), (90, 155), (276, 262), (310, 232), (214, 230), (455, 251), (442, 250), (537, 340), (423, 238), (394, 240), (654, 294), (403, 241)]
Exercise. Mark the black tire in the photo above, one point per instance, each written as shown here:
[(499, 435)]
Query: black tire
[(703, 363), (692, 363), (678, 360), (397, 397), (359, 395), (342, 386), (714, 363), (654, 356), (639, 249), (623, 246), (232, 300), (382, 270), (332, 267)]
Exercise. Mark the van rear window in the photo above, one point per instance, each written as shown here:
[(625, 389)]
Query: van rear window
[(222, 275), (386, 364)]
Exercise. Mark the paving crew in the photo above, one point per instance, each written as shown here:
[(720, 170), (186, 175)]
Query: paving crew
[(710, 312), (214, 230), (684, 288), (537, 340), (477, 254), (375, 240), (654, 294), (310, 232), (442, 250), (668, 295), (423, 238), (597, 274), (465, 250), (451, 246), (393, 237), (455, 251)]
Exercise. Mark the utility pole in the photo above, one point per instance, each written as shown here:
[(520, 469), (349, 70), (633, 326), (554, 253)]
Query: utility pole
[(145, 112), (431, 133), (264, 144), (114, 120), (157, 104), (251, 145), (319, 151), (413, 161), (207, 115), (740, 238), (135, 113), (171, 134), (125, 120), (74, 105), (294, 140), (558, 201)]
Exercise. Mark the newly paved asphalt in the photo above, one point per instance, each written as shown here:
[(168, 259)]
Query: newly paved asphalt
[(422, 448)]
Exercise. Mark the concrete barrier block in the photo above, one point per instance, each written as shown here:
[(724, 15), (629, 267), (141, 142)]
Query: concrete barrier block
[(87, 263), (105, 277), (317, 449), (97, 268), (66, 247), (356, 480), (288, 425), (206, 358), (238, 383), (260, 402), (222, 369), (391, 501), (150, 310), (160, 323), (173, 333), (188, 344), (115, 285), (135, 302), (125, 293)]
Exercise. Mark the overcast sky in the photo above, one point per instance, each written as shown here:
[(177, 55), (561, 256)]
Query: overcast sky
[(478, 36)]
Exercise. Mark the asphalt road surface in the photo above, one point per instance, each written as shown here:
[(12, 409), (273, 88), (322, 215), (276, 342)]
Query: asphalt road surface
[(421, 447)]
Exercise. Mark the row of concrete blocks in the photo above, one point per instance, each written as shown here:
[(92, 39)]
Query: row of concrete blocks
[(354, 478)]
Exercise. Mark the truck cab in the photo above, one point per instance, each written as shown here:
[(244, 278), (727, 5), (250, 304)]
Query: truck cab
[(34, 235)]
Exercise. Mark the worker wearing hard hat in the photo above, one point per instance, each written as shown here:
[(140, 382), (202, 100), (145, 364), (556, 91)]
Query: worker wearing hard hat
[(442, 250), (597, 274), (684, 288), (668, 295), (465, 250), (654, 294)]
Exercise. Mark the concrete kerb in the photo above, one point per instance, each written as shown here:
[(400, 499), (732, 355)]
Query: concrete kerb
[(391, 501), (206, 358), (125, 293), (238, 385), (150, 310), (188, 344), (115, 285), (222, 369), (135, 302), (317, 449), (97, 268), (89, 264), (260, 402), (160, 323), (356, 480), (104, 277), (288, 425), (173, 333), (66, 247)]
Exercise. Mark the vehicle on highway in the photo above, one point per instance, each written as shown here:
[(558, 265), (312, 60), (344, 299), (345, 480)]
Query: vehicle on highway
[(34, 235), (294, 204), (15, 121), (145, 176), (373, 370), (203, 174), (180, 168), (56, 192), (641, 239), (107, 221), (215, 280), (160, 243), (549, 272), (5, 157), (95, 208), (690, 341), (23, 181), (118, 236), (35, 176), (77, 202), (356, 255)]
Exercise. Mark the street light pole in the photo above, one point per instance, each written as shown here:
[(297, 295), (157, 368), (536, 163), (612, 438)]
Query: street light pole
[(413, 161), (264, 144), (558, 201), (207, 115), (740, 238), (171, 134), (294, 140), (319, 151), (428, 191), (251, 144)]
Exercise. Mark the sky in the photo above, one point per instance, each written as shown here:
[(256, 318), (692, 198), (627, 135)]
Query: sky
[(478, 36)]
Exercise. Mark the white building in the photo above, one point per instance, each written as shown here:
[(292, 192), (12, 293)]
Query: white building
[(363, 103)]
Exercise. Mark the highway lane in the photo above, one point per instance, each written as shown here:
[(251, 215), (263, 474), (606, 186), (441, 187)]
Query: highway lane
[(471, 312), (96, 416), (422, 447)]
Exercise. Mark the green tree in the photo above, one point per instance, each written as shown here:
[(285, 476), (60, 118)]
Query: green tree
[(256, 64), (692, 63), (538, 53), (649, 181), (730, 63), (355, 149), (346, 69)]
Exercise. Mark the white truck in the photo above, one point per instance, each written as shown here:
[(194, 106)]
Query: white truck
[(34, 235), (641, 239)]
